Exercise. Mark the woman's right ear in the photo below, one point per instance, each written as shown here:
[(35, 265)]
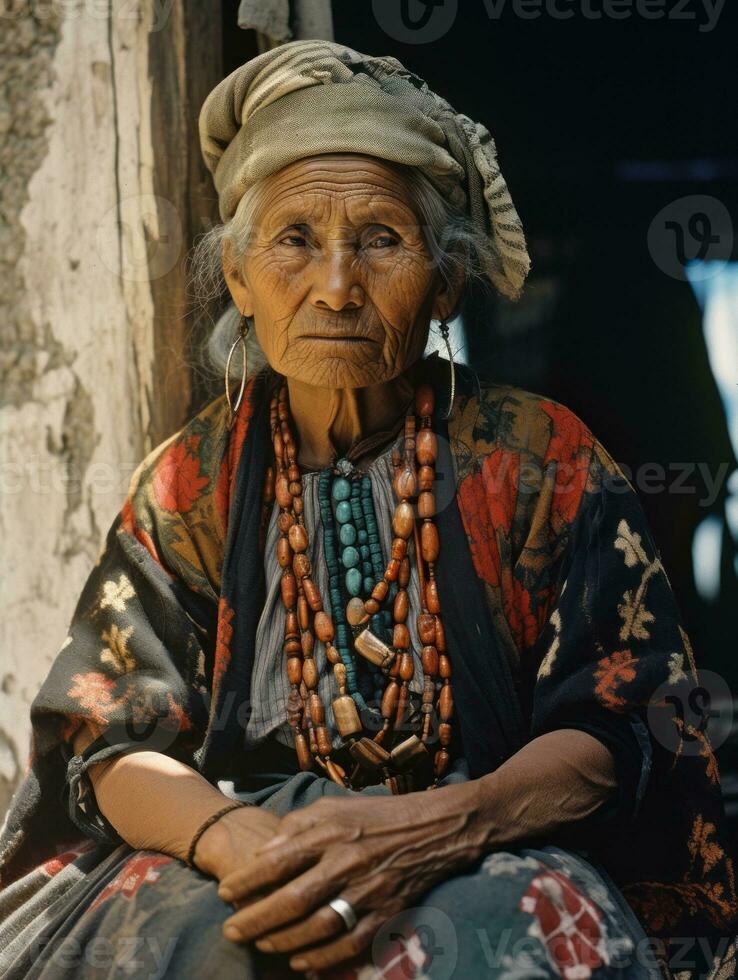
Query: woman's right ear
[(237, 287)]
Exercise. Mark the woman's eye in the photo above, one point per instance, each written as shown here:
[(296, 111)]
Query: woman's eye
[(297, 241), (383, 241)]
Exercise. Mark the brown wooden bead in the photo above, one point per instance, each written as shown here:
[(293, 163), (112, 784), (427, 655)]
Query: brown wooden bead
[(446, 703), (307, 639), (304, 757), (403, 577), (429, 543), (325, 745), (403, 520), (400, 636), (444, 667), (427, 504), (427, 628), (295, 488), (440, 635), (408, 753), (291, 624), (380, 590), (407, 667), (399, 548), (298, 537), (355, 613), (444, 734), (292, 646), (294, 707), (390, 698), (401, 606), (297, 505), (347, 718), (392, 570), (440, 763), (426, 447), (426, 478), (312, 595), (278, 445), (369, 754), (284, 553), (288, 587), (429, 694), (294, 670), (332, 654), (293, 473), (285, 521), (313, 742), (335, 772), (405, 483), (303, 612), (301, 565), (429, 657), (323, 625), (282, 490), (431, 596), (425, 399), (316, 709), (371, 606), (310, 673)]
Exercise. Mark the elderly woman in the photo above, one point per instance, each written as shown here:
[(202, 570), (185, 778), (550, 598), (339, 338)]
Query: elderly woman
[(369, 677)]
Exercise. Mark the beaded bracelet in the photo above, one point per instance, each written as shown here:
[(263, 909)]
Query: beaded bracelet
[(213, 818)]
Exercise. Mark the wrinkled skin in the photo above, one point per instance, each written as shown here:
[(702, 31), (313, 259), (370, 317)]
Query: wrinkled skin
[(342, 289)]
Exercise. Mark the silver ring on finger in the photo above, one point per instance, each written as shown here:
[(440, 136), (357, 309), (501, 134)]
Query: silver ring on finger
[(346, 911)]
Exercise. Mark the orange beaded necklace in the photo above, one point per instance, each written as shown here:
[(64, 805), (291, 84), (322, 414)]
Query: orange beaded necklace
[(402, 762)]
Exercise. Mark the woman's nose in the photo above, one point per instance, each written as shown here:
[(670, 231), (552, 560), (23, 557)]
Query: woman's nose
[(336, 285)]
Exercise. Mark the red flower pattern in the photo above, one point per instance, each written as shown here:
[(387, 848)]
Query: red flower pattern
[(570, 448), (617, 669), (177, 480), (134, 873), (569, 925), (222, 643)]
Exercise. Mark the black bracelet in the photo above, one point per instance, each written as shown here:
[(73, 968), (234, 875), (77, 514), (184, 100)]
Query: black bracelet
[(213, 818)]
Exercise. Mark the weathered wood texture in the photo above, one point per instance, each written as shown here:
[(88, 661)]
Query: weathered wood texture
[(101, 191)]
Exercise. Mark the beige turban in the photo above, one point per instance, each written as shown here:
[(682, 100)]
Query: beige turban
[(313, 97)]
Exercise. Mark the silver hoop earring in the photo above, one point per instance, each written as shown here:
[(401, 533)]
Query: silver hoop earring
[(444, 333), (243, 332)]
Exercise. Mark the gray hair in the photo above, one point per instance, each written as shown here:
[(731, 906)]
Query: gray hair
[(457, 247)]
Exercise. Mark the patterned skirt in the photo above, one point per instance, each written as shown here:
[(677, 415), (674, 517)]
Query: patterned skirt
[(109, 911)]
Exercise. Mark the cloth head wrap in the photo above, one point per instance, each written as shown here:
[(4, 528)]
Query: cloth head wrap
[(313, 97)]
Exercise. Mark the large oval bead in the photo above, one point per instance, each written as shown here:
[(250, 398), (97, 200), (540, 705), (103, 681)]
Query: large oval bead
[(301, 565), (284, 553), (444, 667), (304, 758), (405, 483), (312, 594), (403, 520), (316, 709), (323, 627), (401, 606), (294, 670), (282, 490), (401, 636), (298, 537), (390, 698), (426, 504), (288, 587), (310, 673), (426, 628), (325, 746), (285, 521), (426, 447), (343, 512), (341, 489), (403, 576), (425, 399), (426, 478), (431, 596), (353, 583), (446, 703), (347, 534), (429, 543), (407, 666), (429, 657)]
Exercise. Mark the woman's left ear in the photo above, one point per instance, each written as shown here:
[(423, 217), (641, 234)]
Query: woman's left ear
[(448, 298)]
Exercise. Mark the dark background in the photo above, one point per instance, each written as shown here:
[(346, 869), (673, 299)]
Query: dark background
[(599, 125)]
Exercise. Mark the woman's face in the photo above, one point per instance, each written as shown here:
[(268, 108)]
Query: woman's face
[(337, 276)]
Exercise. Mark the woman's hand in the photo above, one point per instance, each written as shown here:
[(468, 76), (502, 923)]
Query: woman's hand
[(379, 853), (229, 845)]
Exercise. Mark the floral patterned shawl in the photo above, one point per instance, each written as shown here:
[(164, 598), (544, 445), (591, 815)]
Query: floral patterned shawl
[(575, 626)]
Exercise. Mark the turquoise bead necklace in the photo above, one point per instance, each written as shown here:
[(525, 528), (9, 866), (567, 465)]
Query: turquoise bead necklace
[(353, 554)]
